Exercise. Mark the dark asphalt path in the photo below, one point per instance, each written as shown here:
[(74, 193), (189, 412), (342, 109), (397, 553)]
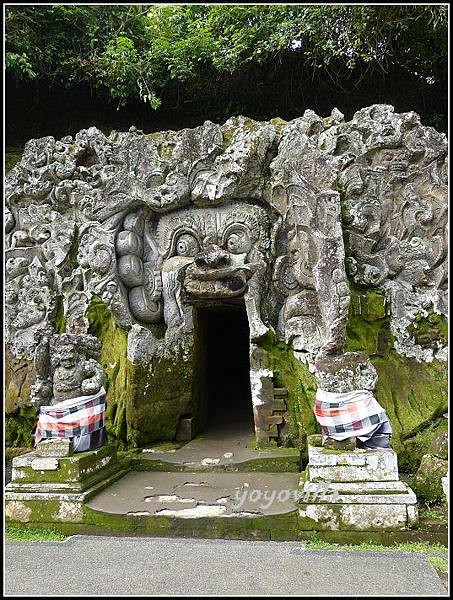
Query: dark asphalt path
[(109, 566)]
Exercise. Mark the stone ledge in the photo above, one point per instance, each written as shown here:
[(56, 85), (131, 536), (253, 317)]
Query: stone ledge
[(338, 495), (357, 517), (53, 506), (362, 487), (352, 474), (79, 471)]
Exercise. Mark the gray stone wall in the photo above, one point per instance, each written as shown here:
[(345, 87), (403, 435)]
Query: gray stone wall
[(287, 215)]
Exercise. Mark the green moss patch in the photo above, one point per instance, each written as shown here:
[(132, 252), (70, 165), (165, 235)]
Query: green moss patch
[(113, 358), (12, 157), (291, 374), (419, 444), (144, 401), (428, 331), (413, 393), (19, 427), (60, 322)]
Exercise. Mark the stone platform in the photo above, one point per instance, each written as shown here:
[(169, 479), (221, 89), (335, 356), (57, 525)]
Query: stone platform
[(228, 447), (342, 496), (356, 490), (55, 488), (192, 495)]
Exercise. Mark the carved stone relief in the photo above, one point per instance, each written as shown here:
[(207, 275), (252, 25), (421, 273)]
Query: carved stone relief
[(66, 367), (282, 216)]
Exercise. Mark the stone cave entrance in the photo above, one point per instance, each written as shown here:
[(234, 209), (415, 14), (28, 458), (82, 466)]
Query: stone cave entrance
[(224, 369)]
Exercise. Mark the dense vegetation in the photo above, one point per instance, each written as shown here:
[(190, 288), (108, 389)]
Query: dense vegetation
[(161, 66)]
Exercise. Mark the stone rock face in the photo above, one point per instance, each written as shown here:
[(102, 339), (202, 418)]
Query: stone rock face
[(254, 212), (432, 474), (428, 479), (439, 445)]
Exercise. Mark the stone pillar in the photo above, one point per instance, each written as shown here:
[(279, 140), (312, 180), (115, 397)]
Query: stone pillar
[(355, 490)]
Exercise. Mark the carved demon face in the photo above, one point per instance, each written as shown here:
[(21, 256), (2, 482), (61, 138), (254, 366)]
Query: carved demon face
[(219, 248), (207, 253)]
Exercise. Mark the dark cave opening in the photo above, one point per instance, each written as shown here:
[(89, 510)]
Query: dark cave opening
[(225, 333)]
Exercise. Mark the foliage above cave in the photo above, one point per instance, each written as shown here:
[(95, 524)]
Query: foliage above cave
[(171, 55)]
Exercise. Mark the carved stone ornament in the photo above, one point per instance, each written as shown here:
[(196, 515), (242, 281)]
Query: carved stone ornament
[(251, 212), (66, 368)]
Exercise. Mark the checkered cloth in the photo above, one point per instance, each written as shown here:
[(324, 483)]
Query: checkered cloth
[(349, 414), (72, 418)]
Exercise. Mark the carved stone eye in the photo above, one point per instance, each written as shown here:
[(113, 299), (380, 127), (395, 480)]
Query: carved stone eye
[(187, 245), (238, 242)]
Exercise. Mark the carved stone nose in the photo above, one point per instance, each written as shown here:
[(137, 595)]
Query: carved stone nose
[(213, 257)]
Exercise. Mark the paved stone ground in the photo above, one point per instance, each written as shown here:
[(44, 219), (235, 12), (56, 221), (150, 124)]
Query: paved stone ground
[(226, 441), (200, 494), (109, 566)]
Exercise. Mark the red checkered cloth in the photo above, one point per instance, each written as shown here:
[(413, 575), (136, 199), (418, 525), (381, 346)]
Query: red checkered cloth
[(71, 418), (348, 414)]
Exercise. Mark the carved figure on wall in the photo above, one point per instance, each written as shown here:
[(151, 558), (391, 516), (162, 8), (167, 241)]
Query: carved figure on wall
[(75, 370), (78, 398), (270, 214)]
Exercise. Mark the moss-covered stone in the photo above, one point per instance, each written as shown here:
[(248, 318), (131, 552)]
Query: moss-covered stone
[(113, 358), (413, 393), (84, 468), (439, 445), (429, 330), (72, 254), (19, 427), (144, 401), (415, 447), (110, 524), (12, 157), (268, 464), (427, 483), (291, 374), (60, 322)]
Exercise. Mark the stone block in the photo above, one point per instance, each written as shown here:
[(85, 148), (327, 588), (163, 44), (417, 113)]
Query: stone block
[(354, 517), (428, 479), (45, 463), (46, 489), (34, 473), (278, 404), (55, 447), (356, 490), (348, 444), (274, 419), (368, 492), (439, 445), (184, 432), (358, 465)]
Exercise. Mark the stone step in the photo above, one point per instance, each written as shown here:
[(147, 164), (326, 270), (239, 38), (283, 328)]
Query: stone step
[(362, 487), (286, 461), (216, 453), (357, 517), (351, 465), (198, 495), (335, 493), (74, 473)]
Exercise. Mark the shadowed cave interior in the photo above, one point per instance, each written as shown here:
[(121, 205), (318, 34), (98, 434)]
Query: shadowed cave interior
[(224, 332)]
